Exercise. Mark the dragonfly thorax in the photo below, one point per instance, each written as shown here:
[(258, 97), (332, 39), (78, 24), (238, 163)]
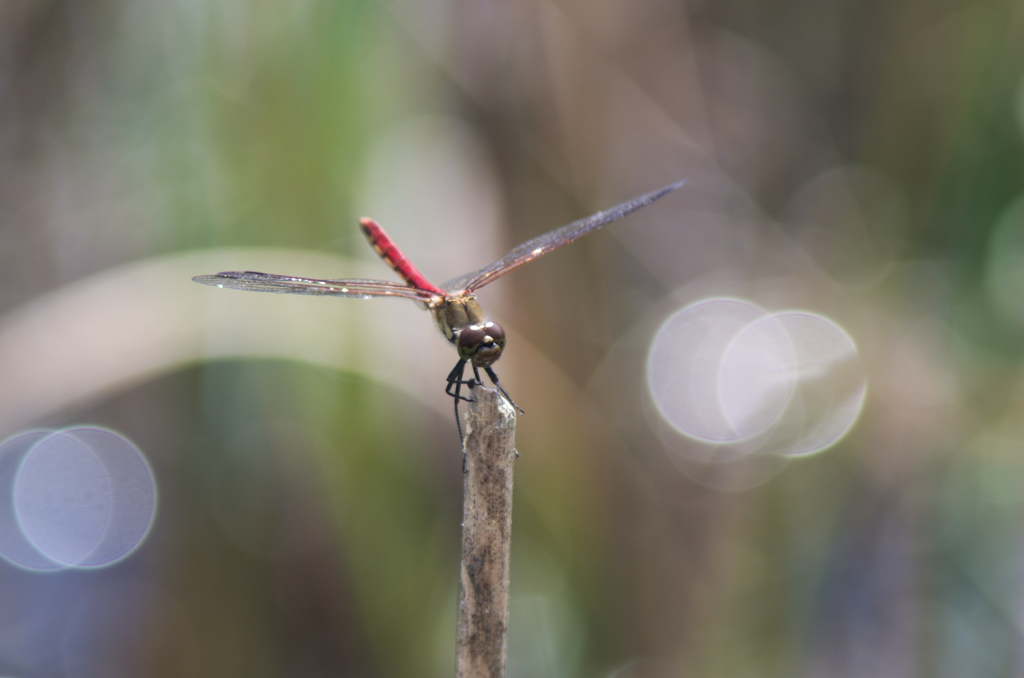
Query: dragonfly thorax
[(454, 313)]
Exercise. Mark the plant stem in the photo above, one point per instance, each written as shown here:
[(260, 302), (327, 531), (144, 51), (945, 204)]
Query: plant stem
[(486, 531)]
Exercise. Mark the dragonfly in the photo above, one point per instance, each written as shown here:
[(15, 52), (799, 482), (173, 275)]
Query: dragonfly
[(478, 342)]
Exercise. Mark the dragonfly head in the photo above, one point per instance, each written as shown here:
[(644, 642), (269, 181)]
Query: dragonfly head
[(481, 344)]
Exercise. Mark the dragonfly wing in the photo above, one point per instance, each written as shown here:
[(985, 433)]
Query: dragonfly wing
[(286, 284), (541, 245)]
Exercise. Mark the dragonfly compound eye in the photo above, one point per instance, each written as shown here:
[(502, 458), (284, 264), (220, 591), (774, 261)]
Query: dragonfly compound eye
[(481, 344)]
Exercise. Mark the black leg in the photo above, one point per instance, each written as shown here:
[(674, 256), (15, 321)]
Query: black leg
[(455, 380), (494, 378)]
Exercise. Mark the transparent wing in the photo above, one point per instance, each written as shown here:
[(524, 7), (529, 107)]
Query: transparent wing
[(287, 284), (541, 245)]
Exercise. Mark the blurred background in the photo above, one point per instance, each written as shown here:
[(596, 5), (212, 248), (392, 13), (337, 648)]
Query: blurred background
[(855, 184)]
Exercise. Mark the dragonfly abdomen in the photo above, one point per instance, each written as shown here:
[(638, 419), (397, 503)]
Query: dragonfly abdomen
[(385, 247)]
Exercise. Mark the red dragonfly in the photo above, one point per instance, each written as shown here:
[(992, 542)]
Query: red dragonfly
[(458, 315)]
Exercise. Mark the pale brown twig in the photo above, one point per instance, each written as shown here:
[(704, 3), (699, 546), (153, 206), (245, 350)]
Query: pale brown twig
[(486, 531)]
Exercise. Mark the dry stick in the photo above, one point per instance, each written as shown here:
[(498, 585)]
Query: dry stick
[(486, 531)]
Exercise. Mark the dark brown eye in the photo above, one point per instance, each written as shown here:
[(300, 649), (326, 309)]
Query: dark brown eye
[(470, 337), (496, 332), (475, 335), (482, 344)]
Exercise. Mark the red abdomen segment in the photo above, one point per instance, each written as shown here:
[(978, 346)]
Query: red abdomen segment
[(389, 252)]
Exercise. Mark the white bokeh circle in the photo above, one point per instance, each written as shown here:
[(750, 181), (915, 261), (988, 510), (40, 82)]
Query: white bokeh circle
[(82, 497), (725, 372)]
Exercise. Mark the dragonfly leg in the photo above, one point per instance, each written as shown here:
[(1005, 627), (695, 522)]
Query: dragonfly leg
[(501, 390), (456, 381), (458, 425)]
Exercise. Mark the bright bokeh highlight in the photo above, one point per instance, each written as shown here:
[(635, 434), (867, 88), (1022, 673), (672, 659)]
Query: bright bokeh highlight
[(726, 372), (81, 497)]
